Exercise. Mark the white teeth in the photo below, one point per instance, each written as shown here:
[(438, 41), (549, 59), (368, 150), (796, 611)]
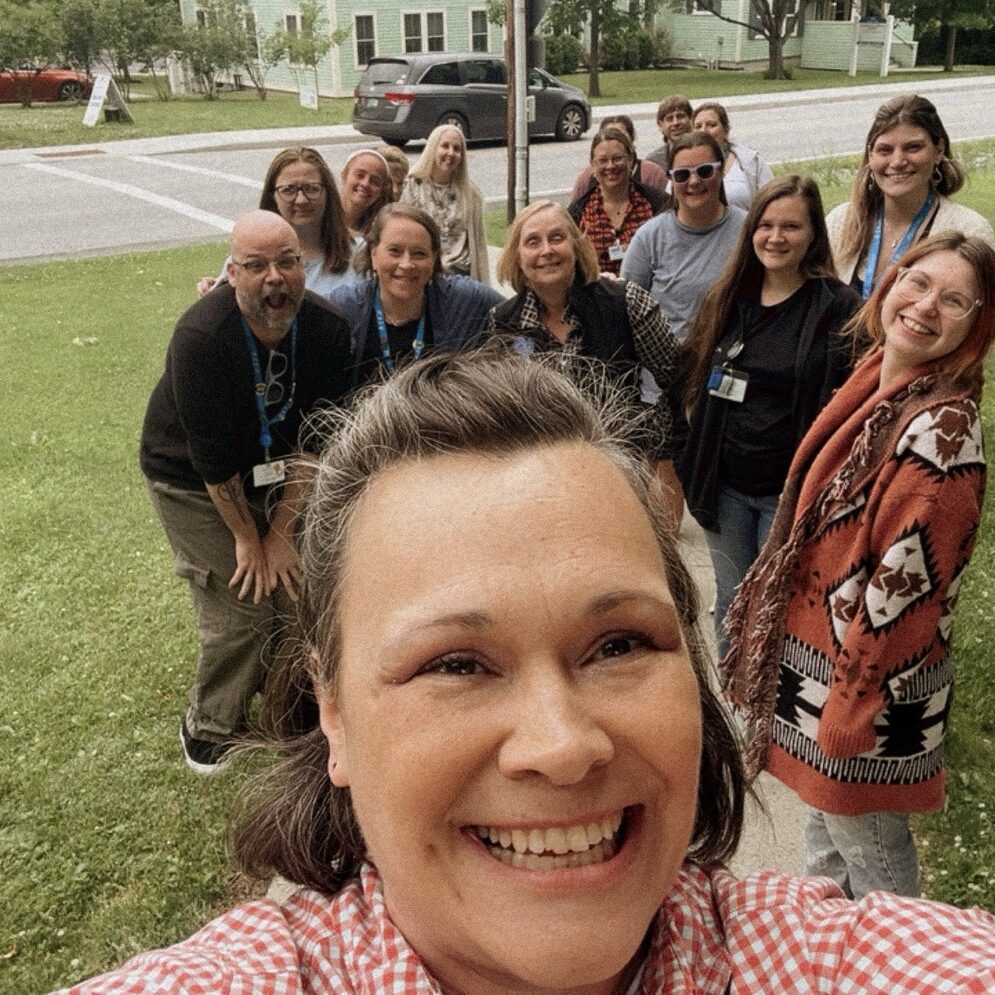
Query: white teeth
[(559, 842), (534, 862)]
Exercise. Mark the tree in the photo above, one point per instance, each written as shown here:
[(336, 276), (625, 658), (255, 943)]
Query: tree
[(31, 36), (134, 31), (946, 16), (570, 16), (217, 43), (270, 50), (309, 44), (775, 20)]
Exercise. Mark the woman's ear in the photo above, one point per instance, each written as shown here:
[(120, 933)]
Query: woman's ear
[(330, 721)]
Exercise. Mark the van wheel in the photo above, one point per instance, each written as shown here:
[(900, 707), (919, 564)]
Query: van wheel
[(454, 119), (571, 124)]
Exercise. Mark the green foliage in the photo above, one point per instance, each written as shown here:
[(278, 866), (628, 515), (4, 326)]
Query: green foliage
[(563, 53), (223, 42), (30, 36), (131, 31), (307, 46), (633, 48)]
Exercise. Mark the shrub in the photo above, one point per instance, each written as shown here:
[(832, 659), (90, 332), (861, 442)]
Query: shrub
[(563, 53), (634, 49)]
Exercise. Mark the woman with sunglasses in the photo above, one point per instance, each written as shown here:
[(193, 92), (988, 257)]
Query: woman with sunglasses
[(901, 193), (764, 356), (300, 188), (840, 634), (611, 210), (744, 171), (679, 255)]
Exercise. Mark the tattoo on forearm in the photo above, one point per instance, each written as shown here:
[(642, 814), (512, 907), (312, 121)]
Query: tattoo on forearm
[(231, 491)]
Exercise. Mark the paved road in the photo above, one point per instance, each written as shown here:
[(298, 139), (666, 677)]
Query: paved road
[(161, 192)]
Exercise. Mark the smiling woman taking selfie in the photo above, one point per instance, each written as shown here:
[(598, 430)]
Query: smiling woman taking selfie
[(522, 781), (840, 636)]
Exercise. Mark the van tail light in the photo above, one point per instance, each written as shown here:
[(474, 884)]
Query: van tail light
[(396, 98)]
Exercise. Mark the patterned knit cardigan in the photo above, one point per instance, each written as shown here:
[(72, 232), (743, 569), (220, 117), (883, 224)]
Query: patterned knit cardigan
[(840, 633)]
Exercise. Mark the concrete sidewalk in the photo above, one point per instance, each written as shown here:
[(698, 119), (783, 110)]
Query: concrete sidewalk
[(344, 133)]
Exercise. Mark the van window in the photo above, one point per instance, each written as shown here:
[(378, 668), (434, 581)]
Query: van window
[(395, 71), (484, 71), (443, 74)]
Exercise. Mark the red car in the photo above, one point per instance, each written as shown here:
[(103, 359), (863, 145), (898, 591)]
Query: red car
[(46, 84)]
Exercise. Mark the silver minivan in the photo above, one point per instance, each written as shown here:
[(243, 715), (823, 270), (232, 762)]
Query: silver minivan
[(402, 98)]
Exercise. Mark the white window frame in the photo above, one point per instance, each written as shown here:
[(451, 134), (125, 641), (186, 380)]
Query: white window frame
[(355, 34), (471, 34), (422, 16)]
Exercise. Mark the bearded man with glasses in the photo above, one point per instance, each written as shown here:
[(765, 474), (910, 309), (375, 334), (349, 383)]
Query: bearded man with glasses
[(245, 367)]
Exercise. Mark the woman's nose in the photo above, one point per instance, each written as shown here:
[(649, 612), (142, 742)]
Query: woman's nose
[(555, 734)]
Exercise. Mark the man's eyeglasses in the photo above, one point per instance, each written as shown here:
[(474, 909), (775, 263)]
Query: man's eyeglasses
[(289, 191), (704, 172), (914, 285), (256, 267), (276, 366)]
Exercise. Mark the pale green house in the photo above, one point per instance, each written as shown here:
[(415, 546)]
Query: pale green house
[(375, 27), (822, 34)]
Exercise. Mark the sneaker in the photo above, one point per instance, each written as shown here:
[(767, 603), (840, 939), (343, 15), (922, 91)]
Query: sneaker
[(202, 755)]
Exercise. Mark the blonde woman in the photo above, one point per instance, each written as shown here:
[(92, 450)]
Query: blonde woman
[(440, 185)]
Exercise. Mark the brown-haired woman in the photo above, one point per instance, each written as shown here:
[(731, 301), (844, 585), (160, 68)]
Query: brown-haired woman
[(300, 188), (612, 210), (901, 194), (765, 354), (840, 634)]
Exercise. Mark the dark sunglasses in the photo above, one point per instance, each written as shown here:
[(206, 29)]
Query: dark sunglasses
[(704, 172)]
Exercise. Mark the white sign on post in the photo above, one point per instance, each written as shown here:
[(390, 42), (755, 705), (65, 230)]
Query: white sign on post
[(309, 98)]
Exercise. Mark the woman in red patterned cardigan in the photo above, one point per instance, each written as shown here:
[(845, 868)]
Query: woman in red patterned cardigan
[(840, 635)]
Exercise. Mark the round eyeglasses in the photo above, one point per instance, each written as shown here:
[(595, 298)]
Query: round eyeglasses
[(914, 285)]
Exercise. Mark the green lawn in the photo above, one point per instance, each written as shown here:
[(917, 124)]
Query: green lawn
[(108, 844), (697, 84), (61, 124)]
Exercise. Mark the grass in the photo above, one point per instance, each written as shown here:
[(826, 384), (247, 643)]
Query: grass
[(61, 124), (649, 85), (108, 845)]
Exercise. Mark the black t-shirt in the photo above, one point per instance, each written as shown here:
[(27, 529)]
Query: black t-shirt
[(759, 439), (400, 339), (202, 424)]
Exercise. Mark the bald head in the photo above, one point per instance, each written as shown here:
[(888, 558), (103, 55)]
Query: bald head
[(266, 271), (259, 226)]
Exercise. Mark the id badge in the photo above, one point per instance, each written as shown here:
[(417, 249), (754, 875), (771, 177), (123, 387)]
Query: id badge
[(264, 474), (616, 251), (728, 384)]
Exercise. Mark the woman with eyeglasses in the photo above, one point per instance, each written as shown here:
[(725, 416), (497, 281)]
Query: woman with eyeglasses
[(840, 634), (764, 355), (300, 188), (901, 194), (440, 185), (611, 211), (679, 255), (406, 307)]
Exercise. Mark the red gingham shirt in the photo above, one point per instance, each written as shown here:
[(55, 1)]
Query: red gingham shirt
[(715, 933), (597, 226)]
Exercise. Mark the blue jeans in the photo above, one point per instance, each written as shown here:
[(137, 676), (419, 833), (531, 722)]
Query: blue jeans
[(743, 524), (862, 853)]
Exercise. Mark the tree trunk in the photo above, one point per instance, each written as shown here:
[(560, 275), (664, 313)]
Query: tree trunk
[(775, 57), (593, 85), (948, 58)]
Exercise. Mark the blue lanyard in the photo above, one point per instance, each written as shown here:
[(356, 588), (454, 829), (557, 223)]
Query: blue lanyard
[(874, 250), (265, 438), (416, 346)]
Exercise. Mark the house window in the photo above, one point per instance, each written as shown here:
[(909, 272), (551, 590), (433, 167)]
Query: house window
[(291, 21), (365, 42), (702, 6), (412, 33), (831, 10), (435, 24), (479, 31), (201, 18), (419, 26)]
